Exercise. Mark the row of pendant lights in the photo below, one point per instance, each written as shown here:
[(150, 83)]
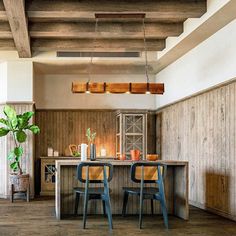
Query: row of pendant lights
[(118, 88)]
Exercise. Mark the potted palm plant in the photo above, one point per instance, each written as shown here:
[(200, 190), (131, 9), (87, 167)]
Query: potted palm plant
[(17, 125)]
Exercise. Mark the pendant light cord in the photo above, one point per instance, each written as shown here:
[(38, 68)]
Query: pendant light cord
[(145, 51), (92, 53)]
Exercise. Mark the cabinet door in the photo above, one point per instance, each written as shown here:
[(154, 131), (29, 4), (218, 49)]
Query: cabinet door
[(47, 176)]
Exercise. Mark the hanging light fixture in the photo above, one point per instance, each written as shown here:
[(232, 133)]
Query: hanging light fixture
[(119, 88)]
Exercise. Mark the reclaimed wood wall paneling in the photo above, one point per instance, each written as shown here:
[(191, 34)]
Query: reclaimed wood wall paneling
[(201, 130)]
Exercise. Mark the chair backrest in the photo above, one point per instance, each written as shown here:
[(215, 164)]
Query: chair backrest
[(96, 172), (150, 171)]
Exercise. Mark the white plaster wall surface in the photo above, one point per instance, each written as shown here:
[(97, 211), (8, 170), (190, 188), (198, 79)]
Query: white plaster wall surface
[(3, 82), (211, 63), (19, 81), (54, 92)]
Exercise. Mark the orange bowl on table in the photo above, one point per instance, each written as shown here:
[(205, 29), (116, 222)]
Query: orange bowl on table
[(152, 157), (122, 157)]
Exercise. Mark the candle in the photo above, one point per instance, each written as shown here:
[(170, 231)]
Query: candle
[(103, 152)]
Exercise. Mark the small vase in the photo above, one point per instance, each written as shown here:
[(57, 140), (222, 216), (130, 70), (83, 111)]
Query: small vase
[(92, 152)]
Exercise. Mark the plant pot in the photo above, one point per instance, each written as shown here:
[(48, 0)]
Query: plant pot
[(92, 152), (20, 182), (135, 155)]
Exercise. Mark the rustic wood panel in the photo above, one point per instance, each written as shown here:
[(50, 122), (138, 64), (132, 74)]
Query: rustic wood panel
[(59, 128), (201, 130), (7, 144)]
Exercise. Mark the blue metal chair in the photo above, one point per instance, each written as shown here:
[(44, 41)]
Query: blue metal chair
[(147, 172), (93, 172)]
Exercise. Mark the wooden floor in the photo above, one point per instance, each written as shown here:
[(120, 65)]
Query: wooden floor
[(37, 218)]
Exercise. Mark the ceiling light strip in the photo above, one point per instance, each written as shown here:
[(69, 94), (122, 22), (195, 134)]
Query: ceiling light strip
[(118, 88)]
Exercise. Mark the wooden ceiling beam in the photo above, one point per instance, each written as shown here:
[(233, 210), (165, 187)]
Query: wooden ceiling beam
[(7, 44), (5, 31), (84, 10), (3, 16), (15, 10), (131, 30), (100, 46)]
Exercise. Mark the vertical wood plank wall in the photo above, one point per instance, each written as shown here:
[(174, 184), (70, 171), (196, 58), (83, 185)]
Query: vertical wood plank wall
[(7, 144), (59, 128), (202, 130)]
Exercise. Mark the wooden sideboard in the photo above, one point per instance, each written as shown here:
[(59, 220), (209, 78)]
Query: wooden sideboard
[(176, 188), (48, 176)]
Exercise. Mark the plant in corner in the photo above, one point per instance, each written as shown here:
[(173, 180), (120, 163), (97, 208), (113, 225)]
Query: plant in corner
[(91, 137), (17, 125)]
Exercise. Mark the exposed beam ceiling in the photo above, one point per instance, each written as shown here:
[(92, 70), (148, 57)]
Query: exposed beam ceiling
[(73, 9), (15, 10), (69, 25)]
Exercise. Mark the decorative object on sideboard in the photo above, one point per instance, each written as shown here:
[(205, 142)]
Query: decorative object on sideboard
[(152, 157), (17, 125), (91, 137), (134, 88), (135, 155), (50, 151), (103, 152), (122, 157), (72, 151), (83, 147)]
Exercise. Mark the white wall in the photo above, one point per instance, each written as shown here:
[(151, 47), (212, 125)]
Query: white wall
[(20, 81), (16, 81), (211, 63), (54, 92), (3, 82)]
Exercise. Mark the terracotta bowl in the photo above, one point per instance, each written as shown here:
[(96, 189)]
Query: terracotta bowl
[(152, 157)]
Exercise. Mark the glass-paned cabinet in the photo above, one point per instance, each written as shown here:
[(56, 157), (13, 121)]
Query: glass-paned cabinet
[(131, 133), (48, 177)]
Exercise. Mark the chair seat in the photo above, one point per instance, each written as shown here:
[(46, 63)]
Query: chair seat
[(98, 190), (146, 190)]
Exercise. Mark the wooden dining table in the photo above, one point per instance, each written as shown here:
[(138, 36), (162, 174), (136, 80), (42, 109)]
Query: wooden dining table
[(176, 189)]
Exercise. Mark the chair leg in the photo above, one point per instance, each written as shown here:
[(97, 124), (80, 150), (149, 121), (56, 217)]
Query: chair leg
[(85, 210), (77, 196), (141, 212), (104, 208), (109, 214), (165, 213), (125, 201), (152, 207)]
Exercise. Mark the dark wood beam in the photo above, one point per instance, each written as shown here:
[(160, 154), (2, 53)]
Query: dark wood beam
[(100, 45), (15, 10), (84, 10), (131, 30)]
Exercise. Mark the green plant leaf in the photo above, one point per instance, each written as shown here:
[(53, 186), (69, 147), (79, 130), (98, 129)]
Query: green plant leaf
[(21, 136), (4, 131), (11, 115), (4, 121), (18, 151), (14, 166), (11, 156), (27, 115), (22, 123), (34, 128)]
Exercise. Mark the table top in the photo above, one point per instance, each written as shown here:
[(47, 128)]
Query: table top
[(74, 162)]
